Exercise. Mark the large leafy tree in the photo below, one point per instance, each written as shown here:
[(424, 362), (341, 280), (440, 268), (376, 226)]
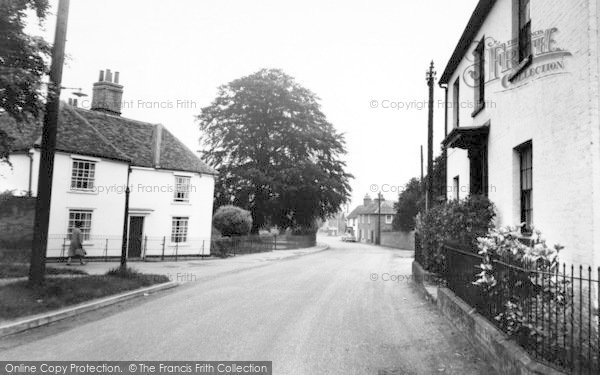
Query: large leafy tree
[(276, 153), (410, 202), (23, 63)]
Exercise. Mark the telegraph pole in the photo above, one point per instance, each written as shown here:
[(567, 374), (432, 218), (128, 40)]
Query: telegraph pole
[(431, 73), (378, 242), (421, 164), (48, 147)]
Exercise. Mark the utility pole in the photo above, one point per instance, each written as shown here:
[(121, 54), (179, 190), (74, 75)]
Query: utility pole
[(430, 75), (379, 197), (39, 246), (125, 223), (421, 164)]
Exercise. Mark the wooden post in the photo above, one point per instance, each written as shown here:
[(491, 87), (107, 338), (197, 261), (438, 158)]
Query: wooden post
[(164, 242), (145, 247), (176, 250), (106, 251), (39, 246)]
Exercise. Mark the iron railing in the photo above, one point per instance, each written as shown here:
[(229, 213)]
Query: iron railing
[(557, 306), (160, 248)]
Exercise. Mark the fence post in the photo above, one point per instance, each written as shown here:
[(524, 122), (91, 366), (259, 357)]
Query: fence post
[(202, 247), (275, 242), (145, 247), (162, 256), (106, 250), (176, 250)]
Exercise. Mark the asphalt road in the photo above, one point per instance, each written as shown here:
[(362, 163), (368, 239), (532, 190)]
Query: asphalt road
[(331, 312)]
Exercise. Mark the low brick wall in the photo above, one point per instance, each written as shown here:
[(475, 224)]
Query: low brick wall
[(16, 222), (503, 354), (398, 240)]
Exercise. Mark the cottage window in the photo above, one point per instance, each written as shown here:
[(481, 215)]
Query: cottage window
[(479, 77), (84, 217), (524, 30), (83, 175), (182, 188), (456, 102), (526, 186), (389, 219), (179, 229)]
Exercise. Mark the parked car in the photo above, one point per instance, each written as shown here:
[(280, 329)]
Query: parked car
[(348, 237)]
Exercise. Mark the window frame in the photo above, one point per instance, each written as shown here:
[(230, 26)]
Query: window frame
[(179, 234), (525, 153), (86, 230), (456, 102), (80, 177), (456, 183), (479, 87), (185, 195), (391, 219)]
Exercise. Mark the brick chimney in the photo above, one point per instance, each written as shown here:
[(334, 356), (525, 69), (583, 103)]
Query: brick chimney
[(367, 200), (107, 94)]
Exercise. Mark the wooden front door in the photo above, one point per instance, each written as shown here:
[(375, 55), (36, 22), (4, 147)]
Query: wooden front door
[(136, 232)]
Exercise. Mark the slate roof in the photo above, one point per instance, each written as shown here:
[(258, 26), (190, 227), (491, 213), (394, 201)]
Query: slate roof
[(108, 136)]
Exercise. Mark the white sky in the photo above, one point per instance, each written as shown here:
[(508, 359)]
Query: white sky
[(347, 52)]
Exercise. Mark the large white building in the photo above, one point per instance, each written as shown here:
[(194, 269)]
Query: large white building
[(523, 85), (170, 206)]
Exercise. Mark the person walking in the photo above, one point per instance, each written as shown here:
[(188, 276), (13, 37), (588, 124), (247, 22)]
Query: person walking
[(76, 246)]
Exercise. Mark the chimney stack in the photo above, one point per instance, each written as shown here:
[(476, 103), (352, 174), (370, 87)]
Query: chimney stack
[(107, 94), (366, 200)]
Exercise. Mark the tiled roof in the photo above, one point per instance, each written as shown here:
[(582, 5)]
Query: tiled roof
[(98, 134), (387, 208)]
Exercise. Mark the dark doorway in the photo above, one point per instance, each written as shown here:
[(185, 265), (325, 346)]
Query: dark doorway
[(136, 231), (478, 161)]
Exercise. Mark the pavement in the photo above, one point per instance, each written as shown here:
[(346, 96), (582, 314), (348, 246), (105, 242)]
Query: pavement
[(351, 309)]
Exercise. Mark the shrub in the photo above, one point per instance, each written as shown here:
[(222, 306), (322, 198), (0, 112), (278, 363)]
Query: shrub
[(232, 221), (523, 292), (459, 222)]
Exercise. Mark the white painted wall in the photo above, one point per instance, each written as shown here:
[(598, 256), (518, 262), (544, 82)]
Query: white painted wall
[(558, 113), (152, 196)]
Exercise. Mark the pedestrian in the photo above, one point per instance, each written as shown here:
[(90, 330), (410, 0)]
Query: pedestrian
[(76, 246)]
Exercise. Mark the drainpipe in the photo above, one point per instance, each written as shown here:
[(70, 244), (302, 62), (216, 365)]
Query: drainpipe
[(445, 151), (125, 217), (30, 154)]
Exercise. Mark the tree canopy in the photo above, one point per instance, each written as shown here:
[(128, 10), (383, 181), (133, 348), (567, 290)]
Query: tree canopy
[(23, 63), (276, 153)]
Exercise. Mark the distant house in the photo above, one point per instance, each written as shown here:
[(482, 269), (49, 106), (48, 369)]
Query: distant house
[(364, 218), (98, 152)]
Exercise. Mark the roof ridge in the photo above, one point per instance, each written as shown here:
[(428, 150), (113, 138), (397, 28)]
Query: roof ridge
[(116, 116), (100, 135)]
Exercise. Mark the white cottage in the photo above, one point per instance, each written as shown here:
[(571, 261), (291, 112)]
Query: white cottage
[(170, 206), (523, 85)]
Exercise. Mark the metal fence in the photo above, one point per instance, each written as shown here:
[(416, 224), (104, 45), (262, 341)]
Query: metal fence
[(161, 248), (557, 307)]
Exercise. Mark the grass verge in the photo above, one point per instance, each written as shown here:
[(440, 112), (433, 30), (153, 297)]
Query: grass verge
[(20, 299), (11, 270)]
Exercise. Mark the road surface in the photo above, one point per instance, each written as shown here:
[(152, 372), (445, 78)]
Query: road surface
[(330, 312)]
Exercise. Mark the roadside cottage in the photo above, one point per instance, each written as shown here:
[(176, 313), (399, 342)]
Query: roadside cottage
[(98, 152), (523, 86)]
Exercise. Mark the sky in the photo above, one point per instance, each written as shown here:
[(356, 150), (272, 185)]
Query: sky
[(366, 60)]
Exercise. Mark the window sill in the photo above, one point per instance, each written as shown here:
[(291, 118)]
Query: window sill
[(522, 66), (181, 203), (478, 110), (88, 192)]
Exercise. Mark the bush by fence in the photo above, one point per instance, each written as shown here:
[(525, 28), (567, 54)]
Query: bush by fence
[(552, 312), (460, 221)]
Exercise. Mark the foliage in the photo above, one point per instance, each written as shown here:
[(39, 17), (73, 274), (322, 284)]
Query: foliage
[(458, 221), (523, 291), (410, 203), (276, 153), (22, 63), (232, 221)]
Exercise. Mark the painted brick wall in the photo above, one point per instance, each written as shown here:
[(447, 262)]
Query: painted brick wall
[(556, 112)]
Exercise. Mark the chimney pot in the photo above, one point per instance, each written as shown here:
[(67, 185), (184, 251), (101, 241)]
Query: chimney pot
[(107, 95)]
